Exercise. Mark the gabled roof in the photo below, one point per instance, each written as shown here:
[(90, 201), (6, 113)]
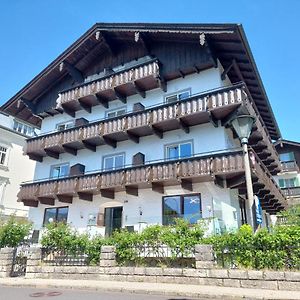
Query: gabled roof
[(228, 42), (287, 142)]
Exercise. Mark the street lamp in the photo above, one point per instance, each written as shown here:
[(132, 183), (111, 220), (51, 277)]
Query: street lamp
[(242, 125)]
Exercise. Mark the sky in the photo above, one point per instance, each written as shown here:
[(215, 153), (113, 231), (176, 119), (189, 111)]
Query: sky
[(35, 32)]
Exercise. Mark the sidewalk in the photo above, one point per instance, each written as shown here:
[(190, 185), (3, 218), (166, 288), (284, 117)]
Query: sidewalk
[(195, 291)]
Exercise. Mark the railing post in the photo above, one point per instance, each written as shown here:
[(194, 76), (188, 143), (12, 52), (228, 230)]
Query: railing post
[(6, 261), (204, 256), (34, 259), (108, 256)]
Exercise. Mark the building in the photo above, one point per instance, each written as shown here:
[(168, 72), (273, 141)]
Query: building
[(15, 167), (135, 129), (289, 177)]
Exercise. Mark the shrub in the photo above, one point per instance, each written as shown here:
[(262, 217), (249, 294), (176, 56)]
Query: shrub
[(13, 232)]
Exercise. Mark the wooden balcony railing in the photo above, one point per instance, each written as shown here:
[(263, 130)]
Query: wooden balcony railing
[(289, 166), (184, 172), (291, 191), (137, 79)]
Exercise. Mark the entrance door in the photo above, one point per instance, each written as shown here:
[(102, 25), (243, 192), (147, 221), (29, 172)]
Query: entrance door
[(113, 219)]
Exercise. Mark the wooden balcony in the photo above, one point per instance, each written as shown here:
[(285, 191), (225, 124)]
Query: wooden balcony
[(219, 167), (214, 106), (289, 166), (118, 85), (291, 191), (200, 109)]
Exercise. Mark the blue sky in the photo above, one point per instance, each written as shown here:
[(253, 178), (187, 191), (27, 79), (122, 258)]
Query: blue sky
[(34, 32)]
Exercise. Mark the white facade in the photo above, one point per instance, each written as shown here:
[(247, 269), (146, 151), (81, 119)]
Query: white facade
[(15, 167), (217, 203)]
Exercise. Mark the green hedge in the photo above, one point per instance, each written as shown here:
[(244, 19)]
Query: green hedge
[(279, 249)]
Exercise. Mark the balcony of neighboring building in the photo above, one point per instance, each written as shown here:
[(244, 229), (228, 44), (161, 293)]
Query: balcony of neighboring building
[(225, 168), (215, 106)]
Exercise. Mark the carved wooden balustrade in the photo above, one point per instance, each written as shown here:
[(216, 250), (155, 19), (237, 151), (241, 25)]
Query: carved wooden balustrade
[(219, 166)]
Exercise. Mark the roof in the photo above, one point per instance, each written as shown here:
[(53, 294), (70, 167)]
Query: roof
[(228, 41), (287, 142)]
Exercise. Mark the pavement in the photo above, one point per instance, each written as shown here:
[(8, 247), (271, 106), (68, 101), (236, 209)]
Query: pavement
[(166, 289)]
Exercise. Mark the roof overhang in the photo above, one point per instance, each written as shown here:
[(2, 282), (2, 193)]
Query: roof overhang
[(227, 41)]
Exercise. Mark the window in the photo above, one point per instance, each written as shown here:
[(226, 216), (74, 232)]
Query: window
[(187, 207), (288, 183), (179, 150), (289, 156), (114, 162), (59, 171), (116, 112), (23, 128), (178, 96), (64, 126), (56, 214), (3, 156)]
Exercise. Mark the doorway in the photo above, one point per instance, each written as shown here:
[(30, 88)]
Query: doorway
[(112, 219)]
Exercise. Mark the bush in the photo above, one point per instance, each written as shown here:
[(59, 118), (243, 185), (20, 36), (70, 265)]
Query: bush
[(13, 232), (279, 249)]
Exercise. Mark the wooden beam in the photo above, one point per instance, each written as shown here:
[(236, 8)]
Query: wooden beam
[(73, 72), (139, 90), (107, 193), (102, 101), (70, 150), (237, 70), (212, 119), (31, 203), (142, 37), (46, 200), (157, 132), (184, 126), (110, 142), (85, 106), (85, 196), (186, 184), (65, 198), (36, 157), (52, 153), (158, 187), (89, 146), (235, 181), (29, 105), (181, 73), (69, 111), (120, 96), (132, 190), (197, 69), (225, 72), (162, 84), (133, 137), (107, 42)]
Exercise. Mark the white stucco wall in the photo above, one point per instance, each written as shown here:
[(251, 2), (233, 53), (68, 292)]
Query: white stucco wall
[(216, 202), (19, 168)]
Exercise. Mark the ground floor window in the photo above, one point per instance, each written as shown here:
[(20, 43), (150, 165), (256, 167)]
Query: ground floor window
[(56, 214), (187, 207)]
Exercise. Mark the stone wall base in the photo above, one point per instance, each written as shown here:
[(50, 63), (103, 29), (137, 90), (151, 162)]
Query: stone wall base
[(271, 280)]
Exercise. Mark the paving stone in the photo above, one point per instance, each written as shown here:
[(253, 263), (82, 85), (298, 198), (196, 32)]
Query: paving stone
[(274, 275), (154, 271), (231, 282), (292, 276), (255, 274), (173, 271)]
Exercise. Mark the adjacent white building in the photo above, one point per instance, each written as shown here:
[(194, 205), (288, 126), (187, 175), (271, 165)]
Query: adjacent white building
[(135, 130), (15, 166)]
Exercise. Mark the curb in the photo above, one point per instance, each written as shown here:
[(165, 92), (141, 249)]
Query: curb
[(163, 290)]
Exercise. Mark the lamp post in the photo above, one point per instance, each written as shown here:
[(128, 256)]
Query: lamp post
[(242, 125)]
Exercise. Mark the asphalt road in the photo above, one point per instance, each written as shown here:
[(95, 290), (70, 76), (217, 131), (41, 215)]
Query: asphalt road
[(13, 293)]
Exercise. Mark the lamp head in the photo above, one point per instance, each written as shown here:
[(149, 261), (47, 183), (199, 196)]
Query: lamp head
[(242, 125)]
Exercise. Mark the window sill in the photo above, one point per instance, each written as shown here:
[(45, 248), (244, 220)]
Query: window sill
[(4, 168)]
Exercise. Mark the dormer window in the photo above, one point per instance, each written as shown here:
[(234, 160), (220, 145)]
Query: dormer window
[(178, 96)]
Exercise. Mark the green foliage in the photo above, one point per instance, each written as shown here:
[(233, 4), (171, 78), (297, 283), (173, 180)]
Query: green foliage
[(13, 232), (279, 249), (291, 216)]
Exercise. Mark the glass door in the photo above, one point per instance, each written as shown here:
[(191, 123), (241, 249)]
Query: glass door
[(113, 219)]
